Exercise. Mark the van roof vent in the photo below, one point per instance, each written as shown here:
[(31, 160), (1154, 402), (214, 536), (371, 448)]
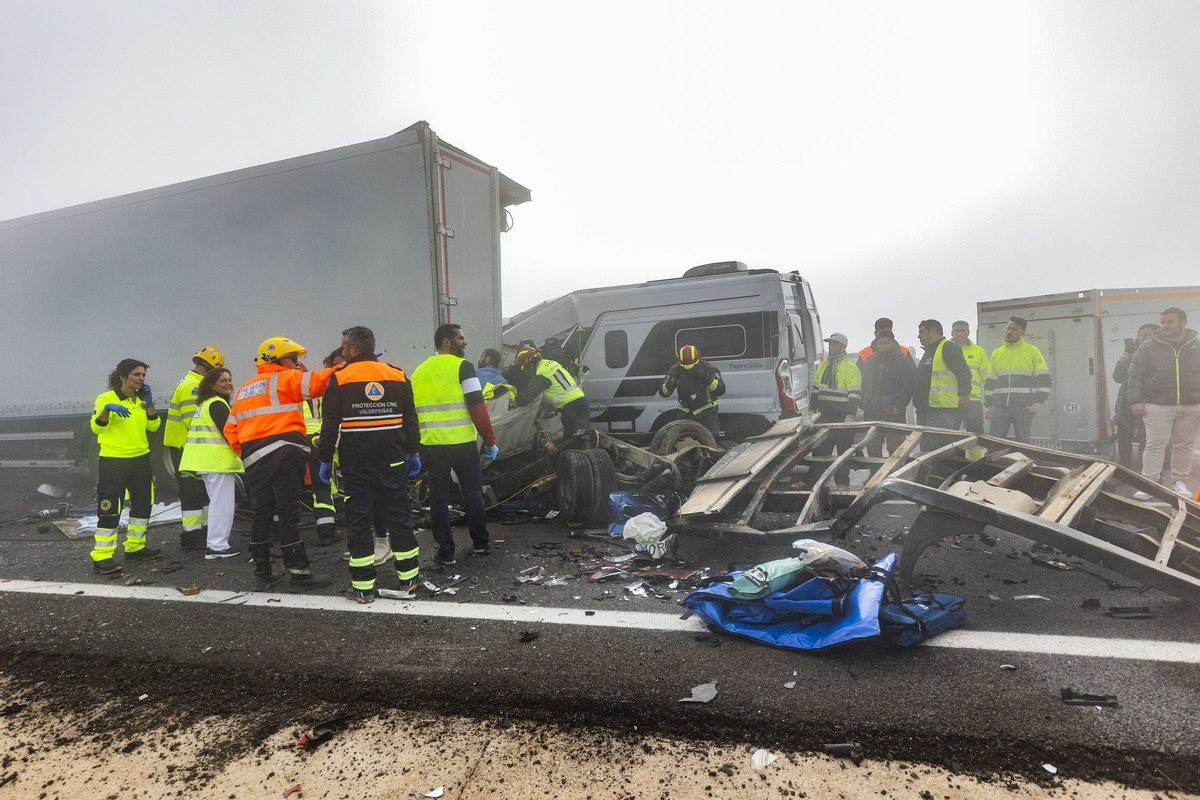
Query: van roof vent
[(716, 268)]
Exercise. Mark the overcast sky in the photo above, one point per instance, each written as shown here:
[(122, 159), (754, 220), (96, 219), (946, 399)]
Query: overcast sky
[(909, 159)]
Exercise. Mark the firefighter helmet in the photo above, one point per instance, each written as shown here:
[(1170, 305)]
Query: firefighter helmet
[(278, 347), (211, 356), (526, 355), (689, 356)]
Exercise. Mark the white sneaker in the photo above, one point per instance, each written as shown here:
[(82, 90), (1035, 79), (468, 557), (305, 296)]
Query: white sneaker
[(1182, 489), (1142, 496), (383, 551)]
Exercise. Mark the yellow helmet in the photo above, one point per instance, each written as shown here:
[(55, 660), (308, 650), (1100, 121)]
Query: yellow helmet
[(211, 356), (276, 348)]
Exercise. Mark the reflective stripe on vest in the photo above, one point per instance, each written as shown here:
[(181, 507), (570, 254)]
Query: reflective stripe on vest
[(975, 356), (563, 388), (181, 410), (206, 449), (441, 405), (943, 385)]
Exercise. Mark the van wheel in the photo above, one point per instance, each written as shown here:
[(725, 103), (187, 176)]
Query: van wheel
[(575, 486), (604, 481), (681, 434)]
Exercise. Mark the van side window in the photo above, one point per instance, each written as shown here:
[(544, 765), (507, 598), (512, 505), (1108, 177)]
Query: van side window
[(724, 341), (616, 349)]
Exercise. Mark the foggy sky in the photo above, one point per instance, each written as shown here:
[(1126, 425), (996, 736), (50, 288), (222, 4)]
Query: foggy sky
[(909, 159)]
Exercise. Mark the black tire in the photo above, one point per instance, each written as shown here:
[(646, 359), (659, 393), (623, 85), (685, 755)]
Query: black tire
[(575, 490), (604, 482)]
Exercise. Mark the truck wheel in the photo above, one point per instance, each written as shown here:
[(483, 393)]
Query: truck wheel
[(675, 436), (604, 482), (575, 480)]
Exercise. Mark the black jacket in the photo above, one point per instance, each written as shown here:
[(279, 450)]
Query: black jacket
[(368, 414), (887, 384), (1165, 374)]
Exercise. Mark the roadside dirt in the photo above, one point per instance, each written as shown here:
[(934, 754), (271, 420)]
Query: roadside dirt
[(86, 731)]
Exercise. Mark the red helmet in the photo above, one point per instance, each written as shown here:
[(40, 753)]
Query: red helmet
[(525, 355), (689, 356)]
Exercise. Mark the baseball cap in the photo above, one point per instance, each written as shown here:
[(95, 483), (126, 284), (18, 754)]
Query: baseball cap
[(840, 338)]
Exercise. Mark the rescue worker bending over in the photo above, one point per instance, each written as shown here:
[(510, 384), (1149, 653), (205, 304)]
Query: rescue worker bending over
[(699, 385), (266, 428), (554, 384), (193, 498), (368, 415)]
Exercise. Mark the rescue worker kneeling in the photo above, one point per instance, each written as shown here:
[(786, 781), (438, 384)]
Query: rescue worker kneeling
[(555, 385), (699, 384), (369, 417)]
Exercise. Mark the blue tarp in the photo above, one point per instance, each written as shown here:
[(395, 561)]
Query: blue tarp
[(815, 615)]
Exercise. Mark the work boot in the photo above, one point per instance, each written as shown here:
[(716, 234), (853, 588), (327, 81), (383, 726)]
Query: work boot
[(144, 554), (383, 551), (261, 553), (264, 582), (327, 534), (361, 595), (303, 581), (106, 566), (192, 540)]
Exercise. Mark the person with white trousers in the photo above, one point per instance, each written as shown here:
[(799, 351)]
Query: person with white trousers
[(207, 454)]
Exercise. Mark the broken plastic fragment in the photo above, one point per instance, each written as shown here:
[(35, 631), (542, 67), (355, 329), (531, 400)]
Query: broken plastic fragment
[(1007, 666), (762, 759), (322, 731), (790, 685), (528, 636), (289, 792), (191, 590), (850, 750), (1053, 770), (704, 693), (505, 722), (1029, 597), (396, 594), (438, 792), (1129, 612), (1073, 698)]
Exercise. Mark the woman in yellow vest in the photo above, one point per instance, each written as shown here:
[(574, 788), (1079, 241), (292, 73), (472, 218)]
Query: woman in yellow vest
[(121, 419), (207, 455)]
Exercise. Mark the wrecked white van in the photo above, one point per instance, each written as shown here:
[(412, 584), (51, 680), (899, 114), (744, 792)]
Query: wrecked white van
[(760, 327)]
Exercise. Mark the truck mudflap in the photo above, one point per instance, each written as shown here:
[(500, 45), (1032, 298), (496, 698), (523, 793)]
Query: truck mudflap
[(777, 488)]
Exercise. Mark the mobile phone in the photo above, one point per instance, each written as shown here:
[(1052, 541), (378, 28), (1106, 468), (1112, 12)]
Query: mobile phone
[(1130, 345)]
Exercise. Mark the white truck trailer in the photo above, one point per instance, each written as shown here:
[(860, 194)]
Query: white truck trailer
[(399, 234), (1082, 334)]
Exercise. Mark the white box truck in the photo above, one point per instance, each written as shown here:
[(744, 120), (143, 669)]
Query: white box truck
[(1082, 334), (759, 326), (399, 234)]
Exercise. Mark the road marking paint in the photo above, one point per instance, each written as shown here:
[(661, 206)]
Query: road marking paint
[(1082, 646)]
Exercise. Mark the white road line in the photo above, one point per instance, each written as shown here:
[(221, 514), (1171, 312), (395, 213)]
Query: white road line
[(1082, 646)]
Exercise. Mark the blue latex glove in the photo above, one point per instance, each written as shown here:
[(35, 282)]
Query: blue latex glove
[(118, 409), (414, 465), (145, 394), (325, 473), (490, 453)]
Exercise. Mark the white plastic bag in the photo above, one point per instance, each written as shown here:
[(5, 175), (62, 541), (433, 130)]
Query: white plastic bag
[(645, 528)]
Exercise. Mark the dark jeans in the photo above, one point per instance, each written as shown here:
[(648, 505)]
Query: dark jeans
[(938, 418), (972, 418), (277, 481), (463, 458), (1130, 429), (1019, 419), (378, 493)]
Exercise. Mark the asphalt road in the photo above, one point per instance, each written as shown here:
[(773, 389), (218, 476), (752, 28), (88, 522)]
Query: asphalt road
[(627, 664)]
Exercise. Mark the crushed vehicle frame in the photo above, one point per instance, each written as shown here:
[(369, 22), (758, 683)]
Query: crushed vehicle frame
[(775, 487)]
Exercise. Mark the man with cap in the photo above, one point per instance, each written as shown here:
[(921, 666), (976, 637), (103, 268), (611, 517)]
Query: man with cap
[(837, 387), (699, 385)]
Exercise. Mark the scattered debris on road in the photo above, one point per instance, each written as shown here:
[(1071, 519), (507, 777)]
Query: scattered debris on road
[(704, 693), (1073, 698), (850, 750)]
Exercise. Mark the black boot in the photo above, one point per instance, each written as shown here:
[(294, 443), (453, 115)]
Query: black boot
[(327, 534), (300, 577), (192, 540)]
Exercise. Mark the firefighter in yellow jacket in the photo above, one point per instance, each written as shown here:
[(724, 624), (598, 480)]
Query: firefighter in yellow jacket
[(193, 499)]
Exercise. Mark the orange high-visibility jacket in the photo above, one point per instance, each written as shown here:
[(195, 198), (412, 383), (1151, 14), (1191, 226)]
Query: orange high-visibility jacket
[(266, 413)]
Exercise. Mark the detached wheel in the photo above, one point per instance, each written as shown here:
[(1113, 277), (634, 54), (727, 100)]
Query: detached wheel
[(680, 435), (575, 486), (604, 482)]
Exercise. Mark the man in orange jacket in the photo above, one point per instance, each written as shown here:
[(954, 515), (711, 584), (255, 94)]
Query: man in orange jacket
[(266, 428)]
